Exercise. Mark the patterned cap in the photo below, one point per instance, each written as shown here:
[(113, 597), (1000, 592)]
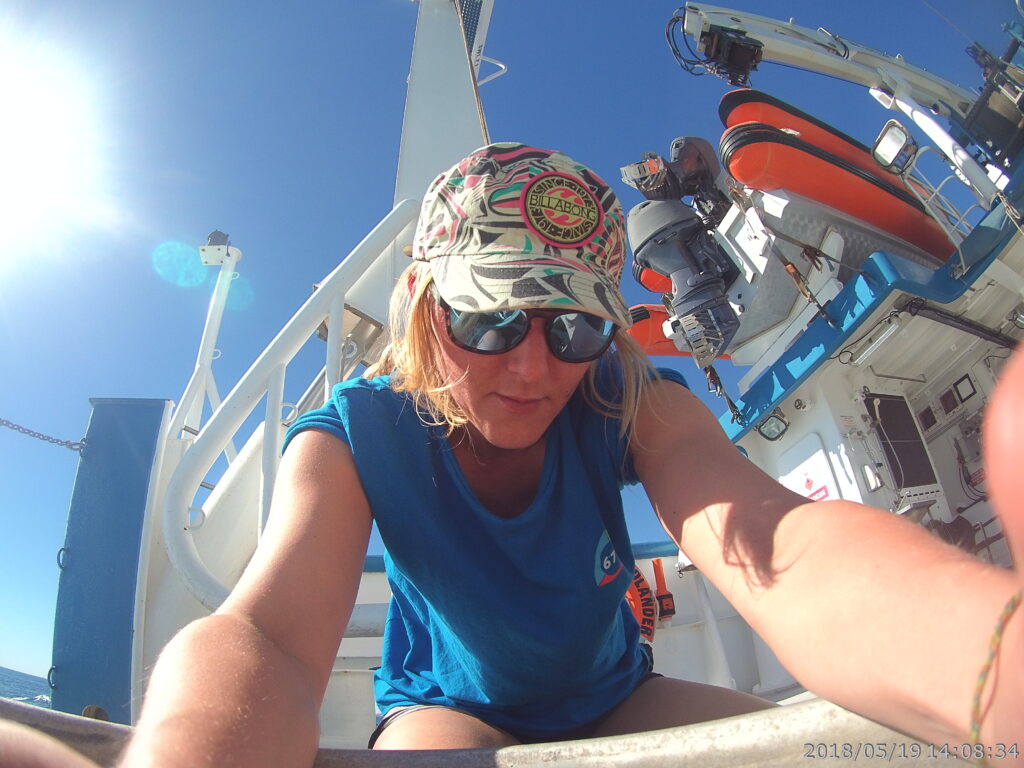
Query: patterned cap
[(516, 227)]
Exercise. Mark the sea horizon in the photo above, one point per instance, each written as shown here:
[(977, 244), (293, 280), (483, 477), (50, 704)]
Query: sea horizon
[(23, 687)]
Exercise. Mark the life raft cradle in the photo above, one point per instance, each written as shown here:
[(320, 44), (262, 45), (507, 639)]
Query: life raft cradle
[(769, 145)]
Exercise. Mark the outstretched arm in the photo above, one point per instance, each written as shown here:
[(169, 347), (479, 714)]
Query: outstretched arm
[(864, 608), (244, 686)]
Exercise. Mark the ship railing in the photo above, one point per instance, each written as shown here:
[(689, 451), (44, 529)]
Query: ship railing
[(264, 381), (954, 222)]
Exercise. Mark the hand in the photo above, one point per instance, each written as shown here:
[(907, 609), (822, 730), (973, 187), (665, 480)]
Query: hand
[(1003, 430)]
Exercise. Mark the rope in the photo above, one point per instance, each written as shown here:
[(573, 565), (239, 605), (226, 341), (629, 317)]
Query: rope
[(73, 445)]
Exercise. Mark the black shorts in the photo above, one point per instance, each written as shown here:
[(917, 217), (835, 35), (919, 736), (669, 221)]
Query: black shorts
[(584, 731)]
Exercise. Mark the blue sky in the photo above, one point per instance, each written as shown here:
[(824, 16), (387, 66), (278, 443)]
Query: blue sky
[(279, 124)]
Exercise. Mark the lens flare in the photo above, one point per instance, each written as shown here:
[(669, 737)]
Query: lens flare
[(241, 295), (179, 264)]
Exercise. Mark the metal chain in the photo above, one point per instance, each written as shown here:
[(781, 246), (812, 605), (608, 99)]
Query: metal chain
[(70, 444)]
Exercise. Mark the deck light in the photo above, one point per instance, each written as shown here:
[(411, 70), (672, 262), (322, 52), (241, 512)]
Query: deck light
[(773, 427), (895, 149)]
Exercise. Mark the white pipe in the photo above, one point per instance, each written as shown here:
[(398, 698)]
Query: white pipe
[(191, 403), (271, 445), (194, 391), (214, 397), (335, 344), (181, 549)]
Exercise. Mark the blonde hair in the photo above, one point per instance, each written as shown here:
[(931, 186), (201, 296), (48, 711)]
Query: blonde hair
[(410, 357)]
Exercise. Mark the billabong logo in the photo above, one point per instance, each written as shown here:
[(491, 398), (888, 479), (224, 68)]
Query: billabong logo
[(560, 210), (607, 565)]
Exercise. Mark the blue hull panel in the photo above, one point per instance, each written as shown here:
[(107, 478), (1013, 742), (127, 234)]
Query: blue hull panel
[(92, 634)]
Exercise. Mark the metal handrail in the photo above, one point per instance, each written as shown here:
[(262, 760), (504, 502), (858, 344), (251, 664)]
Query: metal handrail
[(939, 207), (772, 738), (937, 203), (250, 389)]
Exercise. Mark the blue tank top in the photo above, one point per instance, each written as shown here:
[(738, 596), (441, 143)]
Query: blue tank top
[(519, 621)]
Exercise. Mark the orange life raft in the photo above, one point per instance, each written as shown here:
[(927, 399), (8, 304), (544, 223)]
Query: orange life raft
[(771, 145)]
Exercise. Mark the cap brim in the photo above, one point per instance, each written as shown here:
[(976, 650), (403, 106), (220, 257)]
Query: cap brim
[(502, 281)]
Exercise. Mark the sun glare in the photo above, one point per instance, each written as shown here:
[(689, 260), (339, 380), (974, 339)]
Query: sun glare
[(50, 164)]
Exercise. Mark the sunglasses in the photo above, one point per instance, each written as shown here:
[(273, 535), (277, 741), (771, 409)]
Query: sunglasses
[(572, 337)]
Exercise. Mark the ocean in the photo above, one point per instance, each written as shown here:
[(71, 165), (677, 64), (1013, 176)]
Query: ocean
[(21, 687)]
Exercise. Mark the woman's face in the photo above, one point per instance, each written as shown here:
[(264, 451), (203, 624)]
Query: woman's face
[(511, 398)]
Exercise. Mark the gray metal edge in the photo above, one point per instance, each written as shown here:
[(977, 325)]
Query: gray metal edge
[(777, 737)]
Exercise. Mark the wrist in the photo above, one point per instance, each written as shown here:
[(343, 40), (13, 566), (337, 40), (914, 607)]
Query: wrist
[(999, 690)]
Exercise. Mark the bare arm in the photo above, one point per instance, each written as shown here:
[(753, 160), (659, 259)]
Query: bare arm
[(863, 607), (244, 686)]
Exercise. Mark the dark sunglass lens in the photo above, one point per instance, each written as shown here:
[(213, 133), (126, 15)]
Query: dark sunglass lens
[(488, 332), (579, 337)]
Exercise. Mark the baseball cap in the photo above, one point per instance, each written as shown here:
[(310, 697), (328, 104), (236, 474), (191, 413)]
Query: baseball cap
[(517, 227)]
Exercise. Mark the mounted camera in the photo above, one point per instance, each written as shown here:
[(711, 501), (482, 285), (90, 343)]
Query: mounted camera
[(730, 53)]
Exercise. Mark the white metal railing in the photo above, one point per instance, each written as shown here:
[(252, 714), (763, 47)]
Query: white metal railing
[(952, 220), (266, 377)]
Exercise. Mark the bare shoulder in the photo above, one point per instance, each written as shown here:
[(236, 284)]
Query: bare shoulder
[(318, 458), (317, 495), (319, 504)]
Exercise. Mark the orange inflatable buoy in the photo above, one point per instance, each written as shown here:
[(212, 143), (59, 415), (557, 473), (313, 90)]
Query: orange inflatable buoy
[(767, 158)]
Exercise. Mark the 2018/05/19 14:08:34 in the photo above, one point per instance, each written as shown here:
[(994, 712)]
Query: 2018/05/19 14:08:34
[(912, 750)]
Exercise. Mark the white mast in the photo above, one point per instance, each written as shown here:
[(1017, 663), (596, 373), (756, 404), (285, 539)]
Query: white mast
[(443, 122)]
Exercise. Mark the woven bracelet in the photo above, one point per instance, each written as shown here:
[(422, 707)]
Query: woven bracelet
[(993, 650)]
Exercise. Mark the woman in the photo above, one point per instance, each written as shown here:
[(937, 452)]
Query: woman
[(492, 461), (491, 458)]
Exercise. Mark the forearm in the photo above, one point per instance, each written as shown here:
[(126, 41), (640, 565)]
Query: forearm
[(222, 694), (868, 610)]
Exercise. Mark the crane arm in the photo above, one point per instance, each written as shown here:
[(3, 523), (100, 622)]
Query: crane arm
[(747, 38)]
